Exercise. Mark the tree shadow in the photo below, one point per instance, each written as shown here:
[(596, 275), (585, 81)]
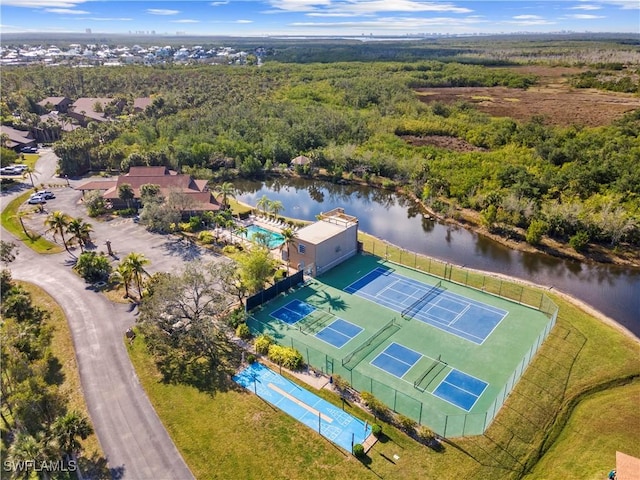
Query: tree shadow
[(95, 467), (334, 303), (55, 373)]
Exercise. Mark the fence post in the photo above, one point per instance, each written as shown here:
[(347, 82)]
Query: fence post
[(446, 420), (420, 417)]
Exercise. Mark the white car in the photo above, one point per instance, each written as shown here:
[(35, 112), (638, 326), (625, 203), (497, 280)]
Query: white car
[(37, 199), (9, 171)]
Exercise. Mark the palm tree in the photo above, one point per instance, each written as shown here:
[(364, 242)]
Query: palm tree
[(29, 171), (241, 231), (276, 207), (68, 429), (264, 204), (80, 231), (19, 216), (126, 194), (57, 223), (226, 190), (289, 237), (136, 263), (28, 451), (124, 275)]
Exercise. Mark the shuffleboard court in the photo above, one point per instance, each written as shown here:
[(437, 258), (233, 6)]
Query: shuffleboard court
[(330, 421), (460, 389), (431, 304), (339, 333)]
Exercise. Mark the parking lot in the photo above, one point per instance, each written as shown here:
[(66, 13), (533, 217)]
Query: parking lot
[(166, 252)]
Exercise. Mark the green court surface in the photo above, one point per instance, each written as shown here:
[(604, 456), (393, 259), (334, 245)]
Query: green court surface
[(442, 354)]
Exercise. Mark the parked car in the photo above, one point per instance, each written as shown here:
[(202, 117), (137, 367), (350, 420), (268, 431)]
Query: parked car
[(19, 167), (46, 194), (8, 171), (29, 150), (37, 199)]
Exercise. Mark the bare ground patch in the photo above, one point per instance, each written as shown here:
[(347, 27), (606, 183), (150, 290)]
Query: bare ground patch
[(553, 98)]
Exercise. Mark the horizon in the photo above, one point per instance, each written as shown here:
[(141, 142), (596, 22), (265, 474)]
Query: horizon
[(318, 18)]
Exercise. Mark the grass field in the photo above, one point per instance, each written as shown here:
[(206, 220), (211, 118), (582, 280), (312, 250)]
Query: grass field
[(62, 348), (11, 222), (232, 434)]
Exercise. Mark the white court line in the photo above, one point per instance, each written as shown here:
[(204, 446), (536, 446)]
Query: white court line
[(299, 402)]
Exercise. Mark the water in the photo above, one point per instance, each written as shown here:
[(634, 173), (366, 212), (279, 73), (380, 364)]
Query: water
[(613, 290), (274, 239)]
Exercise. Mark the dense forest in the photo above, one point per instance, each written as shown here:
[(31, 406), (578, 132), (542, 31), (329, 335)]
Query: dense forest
[(573, 183)]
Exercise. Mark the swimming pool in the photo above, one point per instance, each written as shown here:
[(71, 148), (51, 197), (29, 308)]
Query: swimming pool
[(274, 239)]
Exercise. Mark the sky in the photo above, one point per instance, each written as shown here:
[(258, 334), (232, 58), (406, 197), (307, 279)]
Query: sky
[(319, 17)]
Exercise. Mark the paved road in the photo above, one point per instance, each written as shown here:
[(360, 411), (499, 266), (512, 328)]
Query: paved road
[(132, 436)]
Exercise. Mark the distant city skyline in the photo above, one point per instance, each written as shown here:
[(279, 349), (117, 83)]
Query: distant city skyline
[(318, 17)]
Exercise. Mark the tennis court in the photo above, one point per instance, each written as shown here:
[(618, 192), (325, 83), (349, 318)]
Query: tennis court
[(431, 304), (325, 418), (435, 351)]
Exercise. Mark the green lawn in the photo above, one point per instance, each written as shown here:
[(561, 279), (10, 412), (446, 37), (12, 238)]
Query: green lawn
[(11, 222), (233, 434)]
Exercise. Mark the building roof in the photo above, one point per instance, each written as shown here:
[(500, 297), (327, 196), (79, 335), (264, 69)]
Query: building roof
[(53, 101), (142, 103), (85, 107), (168, 180), (16, 137), (53, 116), (318, 232)]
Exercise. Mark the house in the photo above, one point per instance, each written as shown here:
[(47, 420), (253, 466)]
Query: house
[(58, 104), (16, 139), (140, 104), (85, 110), (197, 196), (326, 243), (627, 467), (300, 161)]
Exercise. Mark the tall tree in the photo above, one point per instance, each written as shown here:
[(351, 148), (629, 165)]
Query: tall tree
[(276, 207), (124, 275), (58, 222), (126, 194), (256, 267), (226, 190), (136, 263), (289, 238), (68, 430), (264, 204), (80, 232)]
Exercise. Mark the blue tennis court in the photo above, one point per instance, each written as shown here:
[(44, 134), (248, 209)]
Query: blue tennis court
[(460, 389), (431, 304), (293, 312), (330, 421), (339, 333), (396, 359)]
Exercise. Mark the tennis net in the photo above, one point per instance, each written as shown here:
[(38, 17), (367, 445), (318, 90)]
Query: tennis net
[(425, 379), (315, 321), (355, 357), (416, 306)]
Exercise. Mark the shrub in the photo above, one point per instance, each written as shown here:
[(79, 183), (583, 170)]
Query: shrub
[(279, 275), (185, 227), (376, 430), (126, 212), (579, 241), (93, 267), (425, 433), (229, 250), (205, 237), (286, 356), (407, 424), (340, 383), (358, 450), (251, 358), (243, 331), (195, 222), (236, 317), (537, 228), (262, 344), (378, 408)]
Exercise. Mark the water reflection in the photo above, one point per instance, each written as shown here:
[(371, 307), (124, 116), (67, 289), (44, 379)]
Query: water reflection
[(611, 289)]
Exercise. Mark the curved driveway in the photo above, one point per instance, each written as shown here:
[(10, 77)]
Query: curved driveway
[(135, 442)]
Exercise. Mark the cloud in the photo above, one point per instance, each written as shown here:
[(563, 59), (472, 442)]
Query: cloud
[(527, 17), (582, 16), (244, 21), (218, 4), (396, 23), (66, 11), (185, 20), (162, 11), (623, 4), (42, 3), (362, 7), (110, 19), (586, 7)]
